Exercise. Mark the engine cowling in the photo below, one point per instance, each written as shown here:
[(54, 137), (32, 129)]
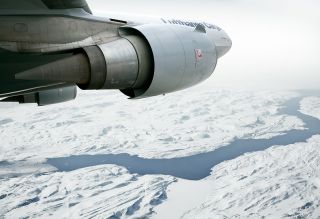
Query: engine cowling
[(121, 64), (151, 60), (146, 60), (182, 57)]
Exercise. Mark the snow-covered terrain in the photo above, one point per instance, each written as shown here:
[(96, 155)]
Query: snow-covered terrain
[(311, 106), (281, 181), (176, 125), (90, 192)]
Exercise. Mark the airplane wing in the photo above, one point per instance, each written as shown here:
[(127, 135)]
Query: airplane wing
[(67, 4), (44, 4), (37, 32), (50, 47)]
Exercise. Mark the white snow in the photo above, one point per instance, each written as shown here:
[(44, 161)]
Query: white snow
[(281, 182), (102, 191), (177, 125), (311, 106)]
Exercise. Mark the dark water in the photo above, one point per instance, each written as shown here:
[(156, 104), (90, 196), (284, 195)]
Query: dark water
[(198, 166)]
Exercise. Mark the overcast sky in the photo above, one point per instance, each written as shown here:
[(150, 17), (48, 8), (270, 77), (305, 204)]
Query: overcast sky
[(275, 42)]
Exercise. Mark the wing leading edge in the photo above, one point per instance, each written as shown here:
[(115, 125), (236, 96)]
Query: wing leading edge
[(43, 5), (67, 4)]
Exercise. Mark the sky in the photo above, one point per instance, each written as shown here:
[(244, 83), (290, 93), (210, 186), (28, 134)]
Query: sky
[(275, 42)]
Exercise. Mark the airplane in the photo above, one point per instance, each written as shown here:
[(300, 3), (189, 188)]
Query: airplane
[(48, 48)]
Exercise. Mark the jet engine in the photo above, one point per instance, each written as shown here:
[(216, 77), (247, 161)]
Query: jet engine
[(146, 60)]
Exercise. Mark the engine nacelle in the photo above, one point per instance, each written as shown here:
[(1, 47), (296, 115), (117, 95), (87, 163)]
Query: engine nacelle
[(120, 64), (182, 57), (146, 60)]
